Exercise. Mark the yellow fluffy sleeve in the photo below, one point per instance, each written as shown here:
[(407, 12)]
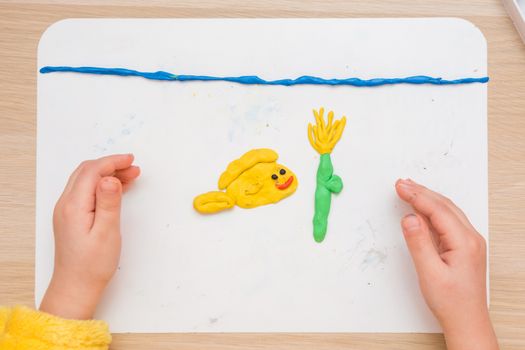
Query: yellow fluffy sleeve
[(22, 328)]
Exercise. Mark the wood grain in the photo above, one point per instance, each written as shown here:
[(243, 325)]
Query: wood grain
[(23, 22)]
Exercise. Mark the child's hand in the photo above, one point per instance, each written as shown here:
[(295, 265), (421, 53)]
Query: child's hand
[(450, 258), (87, 235)]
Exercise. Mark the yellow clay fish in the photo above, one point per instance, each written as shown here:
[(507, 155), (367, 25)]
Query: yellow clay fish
[(254, 179)]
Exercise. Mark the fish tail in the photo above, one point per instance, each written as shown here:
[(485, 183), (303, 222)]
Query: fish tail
[(213, 202)]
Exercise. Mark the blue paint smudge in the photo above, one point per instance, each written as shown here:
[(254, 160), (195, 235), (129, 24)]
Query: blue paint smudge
[(255, 80)]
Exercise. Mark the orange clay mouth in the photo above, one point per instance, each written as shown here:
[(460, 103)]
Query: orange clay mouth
[(285, 185)]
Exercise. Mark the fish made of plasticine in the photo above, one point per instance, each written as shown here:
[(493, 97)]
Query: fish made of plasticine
[(253, 180)]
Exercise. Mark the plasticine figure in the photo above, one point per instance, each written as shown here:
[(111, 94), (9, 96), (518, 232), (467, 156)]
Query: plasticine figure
[(254, 179), (323, 138)]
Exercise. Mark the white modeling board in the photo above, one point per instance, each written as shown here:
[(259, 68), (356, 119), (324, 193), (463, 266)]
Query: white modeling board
[(260, 270)]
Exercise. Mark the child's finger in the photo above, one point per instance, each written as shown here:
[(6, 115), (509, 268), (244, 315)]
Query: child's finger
[(446, 223), (127, 175), (90, 173), (420, 244), (439, 197), (459, 213), (107, 208), (83, 165)]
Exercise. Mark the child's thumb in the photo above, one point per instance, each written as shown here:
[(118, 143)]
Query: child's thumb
[(107, 207), (419, 241)]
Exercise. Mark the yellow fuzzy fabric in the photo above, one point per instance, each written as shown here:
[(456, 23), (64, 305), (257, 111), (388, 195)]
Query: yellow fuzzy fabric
[(22, 328)]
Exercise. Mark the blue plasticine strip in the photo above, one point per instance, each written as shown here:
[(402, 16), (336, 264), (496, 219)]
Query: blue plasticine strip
[(255, 80)]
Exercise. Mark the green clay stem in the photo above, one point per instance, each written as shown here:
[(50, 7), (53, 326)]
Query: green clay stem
[(327, 183)]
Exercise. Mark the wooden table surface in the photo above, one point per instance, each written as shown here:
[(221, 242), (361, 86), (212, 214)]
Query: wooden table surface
[(23, 22)]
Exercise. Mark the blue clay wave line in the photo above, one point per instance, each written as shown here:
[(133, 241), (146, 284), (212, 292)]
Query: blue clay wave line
[(255, 80)]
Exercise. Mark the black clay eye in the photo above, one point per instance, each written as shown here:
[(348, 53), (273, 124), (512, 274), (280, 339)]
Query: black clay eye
[(282, 171), (274, 177)]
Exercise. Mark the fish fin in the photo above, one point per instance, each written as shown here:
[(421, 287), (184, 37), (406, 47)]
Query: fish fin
[(245, 162), (253, 188)]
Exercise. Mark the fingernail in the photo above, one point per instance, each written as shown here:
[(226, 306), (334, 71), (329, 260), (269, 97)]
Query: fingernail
[(410, 222), (109, 186), (405, 183)]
